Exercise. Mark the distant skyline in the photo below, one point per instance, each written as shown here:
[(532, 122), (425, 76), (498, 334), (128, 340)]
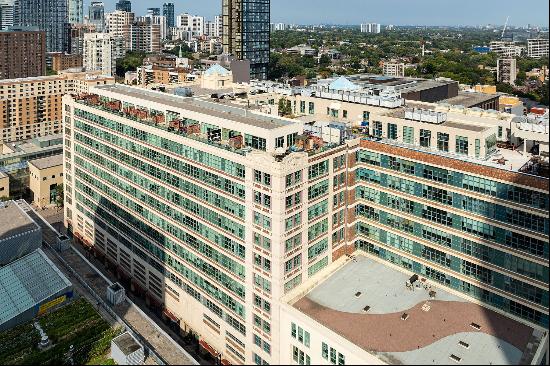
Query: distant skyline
[(397, 12)]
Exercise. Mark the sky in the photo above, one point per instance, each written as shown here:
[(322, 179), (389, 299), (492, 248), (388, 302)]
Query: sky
[(397, 12)]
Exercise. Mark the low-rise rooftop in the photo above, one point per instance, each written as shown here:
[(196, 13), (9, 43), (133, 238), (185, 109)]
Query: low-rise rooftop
[(27, 282), (13, 221), (32, 145), (47, 162), (369, 304), (470, 99), (449, 121)]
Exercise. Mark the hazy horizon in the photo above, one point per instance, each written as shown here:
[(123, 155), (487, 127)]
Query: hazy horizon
[(413, 13)]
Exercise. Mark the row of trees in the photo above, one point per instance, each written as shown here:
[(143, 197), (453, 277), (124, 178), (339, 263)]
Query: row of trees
[(452, 55), (540, 94), (467, 68), (290, 65)]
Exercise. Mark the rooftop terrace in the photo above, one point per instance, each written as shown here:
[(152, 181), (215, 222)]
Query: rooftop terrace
[(239, 115), (169, 114), (368, 303)]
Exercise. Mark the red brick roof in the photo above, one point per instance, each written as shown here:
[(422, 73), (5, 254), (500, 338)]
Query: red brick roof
[(388, 333)]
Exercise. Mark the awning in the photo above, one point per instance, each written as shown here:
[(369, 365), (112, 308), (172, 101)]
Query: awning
[(225, 362), (208, 348), (335, 106), (171, 316)]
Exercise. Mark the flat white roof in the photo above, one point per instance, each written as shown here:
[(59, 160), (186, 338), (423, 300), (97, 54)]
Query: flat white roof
[(432, 329)]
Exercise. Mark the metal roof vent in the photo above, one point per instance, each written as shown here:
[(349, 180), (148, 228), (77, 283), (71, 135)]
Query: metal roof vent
[(475, 326), (455, 358)]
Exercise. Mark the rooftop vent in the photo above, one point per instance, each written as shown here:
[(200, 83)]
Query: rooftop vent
[(475, 326), (405, 316), (464, 344), (366, 308), (455, 358), (358, 294)]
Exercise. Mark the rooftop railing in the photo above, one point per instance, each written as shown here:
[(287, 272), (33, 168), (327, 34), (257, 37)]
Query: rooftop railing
[(158, 120), (187, 128)]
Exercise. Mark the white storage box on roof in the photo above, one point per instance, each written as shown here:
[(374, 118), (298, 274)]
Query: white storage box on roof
[(126, 350)]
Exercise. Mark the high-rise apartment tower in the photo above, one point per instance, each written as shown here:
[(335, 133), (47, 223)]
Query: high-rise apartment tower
[(50, 16), (124, 5), (168, 12), (246, 33)]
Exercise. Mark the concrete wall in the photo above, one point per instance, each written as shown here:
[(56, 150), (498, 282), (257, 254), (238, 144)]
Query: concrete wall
[(434, 94), (4, 186), (241, 71), (217, 81), (40, 181)]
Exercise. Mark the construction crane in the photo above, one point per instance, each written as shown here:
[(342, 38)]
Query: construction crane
[(505, 25)]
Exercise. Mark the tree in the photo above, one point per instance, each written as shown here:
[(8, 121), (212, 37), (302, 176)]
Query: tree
[(324, 61), (411, 72), (311, 74), (505, 88), (543, 93), (130, 62), (285, 65), (520, 78), (59, 195), (285, 108), (185, 51)]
